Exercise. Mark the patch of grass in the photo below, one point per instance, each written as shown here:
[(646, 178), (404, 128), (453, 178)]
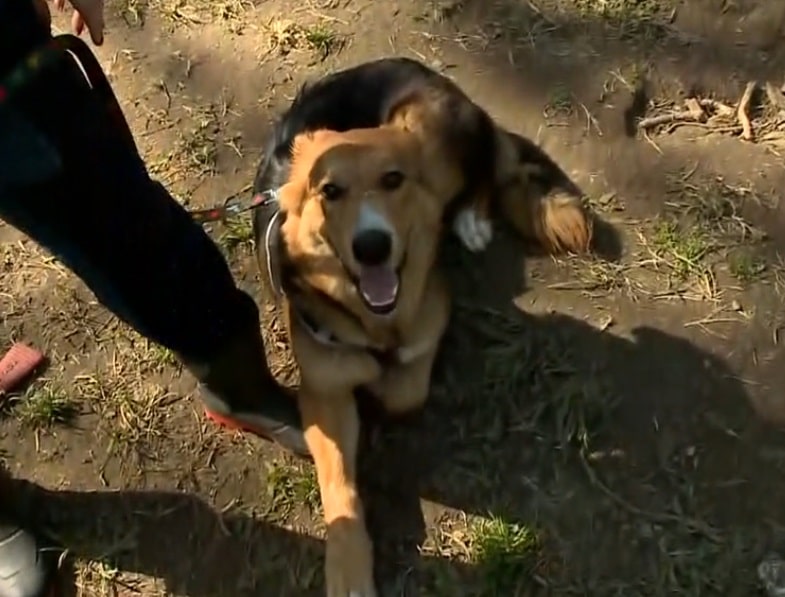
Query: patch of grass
[(290, 486), (747, 267), (285, 36), (45, 406), (237, 233), (194, 154), (716, 206), (506, 554), (576, 406), (597, 278), (645, 19), (322, 40), (684, 250), (439, 11), (132, 410), (703, 230), (99, 578), (160, 358), (620, 9), (231, 13), (199, 146), (560, 103)]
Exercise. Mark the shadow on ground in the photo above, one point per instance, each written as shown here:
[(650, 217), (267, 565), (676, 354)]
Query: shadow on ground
[(592, 442), (598, 444), (700, 46), (627, 453)]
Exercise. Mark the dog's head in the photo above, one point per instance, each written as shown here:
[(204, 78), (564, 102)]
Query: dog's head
[(358, 197)]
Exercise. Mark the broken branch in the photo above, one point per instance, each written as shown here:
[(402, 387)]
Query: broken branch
[(743, 111)]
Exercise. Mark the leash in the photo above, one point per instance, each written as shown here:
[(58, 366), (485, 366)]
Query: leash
[(234, 205)]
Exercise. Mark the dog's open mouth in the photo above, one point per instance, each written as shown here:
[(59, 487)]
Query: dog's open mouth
[(379, 285)]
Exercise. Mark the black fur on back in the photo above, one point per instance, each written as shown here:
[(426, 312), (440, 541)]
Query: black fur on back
[(363, 96)]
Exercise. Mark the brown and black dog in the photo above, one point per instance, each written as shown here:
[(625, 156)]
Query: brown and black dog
[(486, 166), (361, 220)]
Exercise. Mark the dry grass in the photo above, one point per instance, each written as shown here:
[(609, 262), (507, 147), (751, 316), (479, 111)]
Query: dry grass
[(230, 14), (194, 154), (695, 249), (319, 39)]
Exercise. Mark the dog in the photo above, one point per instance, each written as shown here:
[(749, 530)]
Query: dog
[(364, 303), (363, 174), (491, 168)]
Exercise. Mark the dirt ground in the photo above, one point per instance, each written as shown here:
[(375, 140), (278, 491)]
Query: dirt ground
[(596, 427)]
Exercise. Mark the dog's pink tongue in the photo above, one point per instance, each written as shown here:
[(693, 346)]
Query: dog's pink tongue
[(379, 285)]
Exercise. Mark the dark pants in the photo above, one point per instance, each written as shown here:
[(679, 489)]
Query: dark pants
[(69, 182)]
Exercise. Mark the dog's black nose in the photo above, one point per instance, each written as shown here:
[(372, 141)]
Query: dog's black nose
[(372, 247)]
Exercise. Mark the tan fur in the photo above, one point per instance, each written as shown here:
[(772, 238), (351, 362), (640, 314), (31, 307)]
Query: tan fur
[(317, 249), (557, 221)]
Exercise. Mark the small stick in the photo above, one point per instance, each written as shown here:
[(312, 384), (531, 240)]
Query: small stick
[(742, 112), (720, 108), (776, 97), (682, 116), (694, 107)]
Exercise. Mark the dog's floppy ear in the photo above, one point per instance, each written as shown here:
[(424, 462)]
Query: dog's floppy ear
[(408, 111)]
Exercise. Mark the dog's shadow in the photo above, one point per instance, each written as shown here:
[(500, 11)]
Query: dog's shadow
[(517, 402)]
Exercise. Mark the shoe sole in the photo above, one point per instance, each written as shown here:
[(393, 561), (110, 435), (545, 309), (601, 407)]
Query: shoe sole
[(228, 422), (18, 364)]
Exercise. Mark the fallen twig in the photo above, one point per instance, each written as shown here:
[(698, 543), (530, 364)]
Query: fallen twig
[(681, 116), (694, 107), (743, 111), (693, 113), (718, 107), (776, 97)]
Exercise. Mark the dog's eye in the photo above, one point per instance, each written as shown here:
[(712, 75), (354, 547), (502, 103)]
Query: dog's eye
[(392, 180), (331, 191)]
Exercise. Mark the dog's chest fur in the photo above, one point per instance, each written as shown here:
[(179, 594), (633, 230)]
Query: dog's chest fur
[(386, 341)]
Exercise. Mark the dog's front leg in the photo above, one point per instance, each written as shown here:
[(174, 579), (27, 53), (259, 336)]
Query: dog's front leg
[(332, 429)]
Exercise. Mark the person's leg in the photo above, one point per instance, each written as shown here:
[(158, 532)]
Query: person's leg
[(141, 254), (85, 195)]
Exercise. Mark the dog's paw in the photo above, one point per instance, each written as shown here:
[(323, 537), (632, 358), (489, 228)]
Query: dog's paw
[(474, 230), (349, 560)]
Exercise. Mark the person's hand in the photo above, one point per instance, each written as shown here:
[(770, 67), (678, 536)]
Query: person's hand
[(87, 13)]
